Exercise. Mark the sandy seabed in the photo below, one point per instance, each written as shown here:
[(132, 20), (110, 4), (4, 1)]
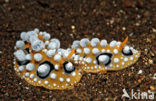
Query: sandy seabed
[(77, 19)]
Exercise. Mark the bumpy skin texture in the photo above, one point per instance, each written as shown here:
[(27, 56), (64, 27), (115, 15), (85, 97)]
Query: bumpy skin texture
[(60, 79), (41, 62), (117, 59)]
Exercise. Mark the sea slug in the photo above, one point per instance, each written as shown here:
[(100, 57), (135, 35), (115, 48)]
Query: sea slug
[(99, 56), (41, 62)]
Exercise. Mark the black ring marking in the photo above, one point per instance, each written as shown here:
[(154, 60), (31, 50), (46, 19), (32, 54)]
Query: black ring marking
[(25, 42), (27, 50), (109, 54), (51, 68), (127, 54), (23, 62), (64, 66)]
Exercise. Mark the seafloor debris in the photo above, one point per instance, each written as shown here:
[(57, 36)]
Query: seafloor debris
[(41, 61)]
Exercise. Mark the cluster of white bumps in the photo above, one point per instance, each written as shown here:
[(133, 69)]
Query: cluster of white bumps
[(83, 47), (37, 45), (51, 48)]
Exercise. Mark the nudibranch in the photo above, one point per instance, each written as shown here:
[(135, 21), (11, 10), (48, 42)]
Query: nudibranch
[(41, 62), (98, 56)]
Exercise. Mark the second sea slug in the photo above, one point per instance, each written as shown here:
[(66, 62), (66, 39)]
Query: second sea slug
[(99, 56)]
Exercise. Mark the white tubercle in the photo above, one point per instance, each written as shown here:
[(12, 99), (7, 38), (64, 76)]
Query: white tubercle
[(20, 44), (123, 63), (20, 55), (60, 50), (103, 43), (27, 74), (86, 50), (35, 79), (46, 36), (37, 57), (32, 76), (21, 68), (46, 82), (116, 60), (56, 41), (51, 52), (27, 35), (103, 50), (95, 50), (53, 76), (84, 59), (23, 36), (37, 45), (73, 74), (81, 58), (115, 51), (36, 30), (28, 57), (30, 67), (57, 57), (95, 62), (69, 66), (40, 33), (94, 42), (56, 67), (131, 58), (39, 81), (126, 59), (113, 43), (46, 42), (118, 43), (132, 48), (79, 50), (31, 33), (76, 57), (84, 42), (54, 84), (103, 59), (33, 38), (75, 44), (65, 53), (61, 79), (89, 60), (43, 69), (52, 45), (126, 49), (68, 79), (108, 50)]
